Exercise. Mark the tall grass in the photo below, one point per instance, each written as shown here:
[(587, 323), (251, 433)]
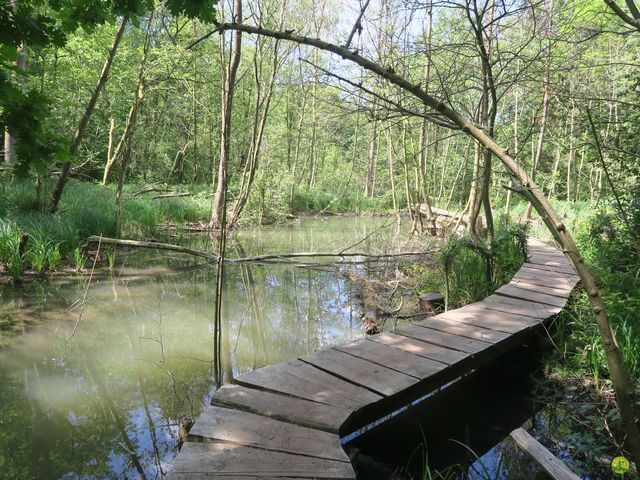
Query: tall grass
[(316, 200), (10, 257), (85, 209), (472, 271)]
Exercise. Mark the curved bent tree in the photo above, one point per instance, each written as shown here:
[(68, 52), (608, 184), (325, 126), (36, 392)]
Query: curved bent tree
[(524, 184), (631, 18)]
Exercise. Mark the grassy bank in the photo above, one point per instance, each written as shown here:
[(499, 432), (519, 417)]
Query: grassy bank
[(86, 209)]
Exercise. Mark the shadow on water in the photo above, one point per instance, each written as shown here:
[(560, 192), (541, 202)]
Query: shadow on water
[(474, 414)]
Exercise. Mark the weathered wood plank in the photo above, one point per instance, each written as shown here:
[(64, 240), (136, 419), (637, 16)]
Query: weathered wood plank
[(398, 360), (479, 314), (244, 428), (519, 306), (447, 340), (542, 271), (417, 346), (224, 460), (555, 280), (377, 378), (549, 462), (569, 271), (199, 476), (514, 291), (547, 261), (462, 329), (301, 380), (546, 251), (547, 290), (283, 407), (550, 261)]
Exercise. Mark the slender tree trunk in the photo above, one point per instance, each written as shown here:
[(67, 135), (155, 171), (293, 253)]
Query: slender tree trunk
[(516, 141), (572, 151), (124, 146), (296, 155), (84, 121), (261, 115), (10, 157), (373, 155), (391, 162), (545, 111), (227, 104)]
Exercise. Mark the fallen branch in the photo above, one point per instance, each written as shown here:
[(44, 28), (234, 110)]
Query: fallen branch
[(257, 258), (155, 245), (171, 195), (148, 190)]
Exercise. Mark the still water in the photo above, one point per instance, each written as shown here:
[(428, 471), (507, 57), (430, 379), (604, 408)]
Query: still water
[(105, 401)]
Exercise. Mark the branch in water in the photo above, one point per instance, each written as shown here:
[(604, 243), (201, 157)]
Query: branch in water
[(256, 258)]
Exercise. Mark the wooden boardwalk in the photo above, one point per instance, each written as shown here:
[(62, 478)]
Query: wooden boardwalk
[(285, 421)]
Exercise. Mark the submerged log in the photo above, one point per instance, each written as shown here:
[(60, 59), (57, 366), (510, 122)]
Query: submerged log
[(450, 219)]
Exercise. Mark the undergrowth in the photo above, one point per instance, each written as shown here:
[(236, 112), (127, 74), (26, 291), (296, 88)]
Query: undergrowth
[(85, 209), (472, 272)]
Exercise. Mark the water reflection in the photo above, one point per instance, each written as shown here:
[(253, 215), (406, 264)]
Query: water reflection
[(107, 401)]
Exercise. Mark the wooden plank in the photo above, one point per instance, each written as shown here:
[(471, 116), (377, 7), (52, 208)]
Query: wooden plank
[(547, 252), (377, 378), (550, 261), (416, 346), (462, 329), (447, 340), (301, 380), (555, 280), (224, 460), (198, 476), (564, 270), (542, 271), (479, 314), (519, 306), (398, 360), (514, 291), (244, 428), (283, 407), (549, 462), (546, 289)]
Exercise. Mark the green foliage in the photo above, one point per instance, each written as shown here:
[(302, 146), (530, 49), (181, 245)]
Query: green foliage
[(202, 9), (24, 109), (42, 253), (79, 258), (10, 258), (86, 209), (316, 200), (473, 271)]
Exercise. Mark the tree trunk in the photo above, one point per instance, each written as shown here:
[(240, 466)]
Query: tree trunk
[(261, 114), (227, 103), (10, 157), (391, 162), (84, 121), (124, 146), (373, 155)]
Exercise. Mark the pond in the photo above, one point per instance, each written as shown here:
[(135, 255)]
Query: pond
[(96, 376)]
